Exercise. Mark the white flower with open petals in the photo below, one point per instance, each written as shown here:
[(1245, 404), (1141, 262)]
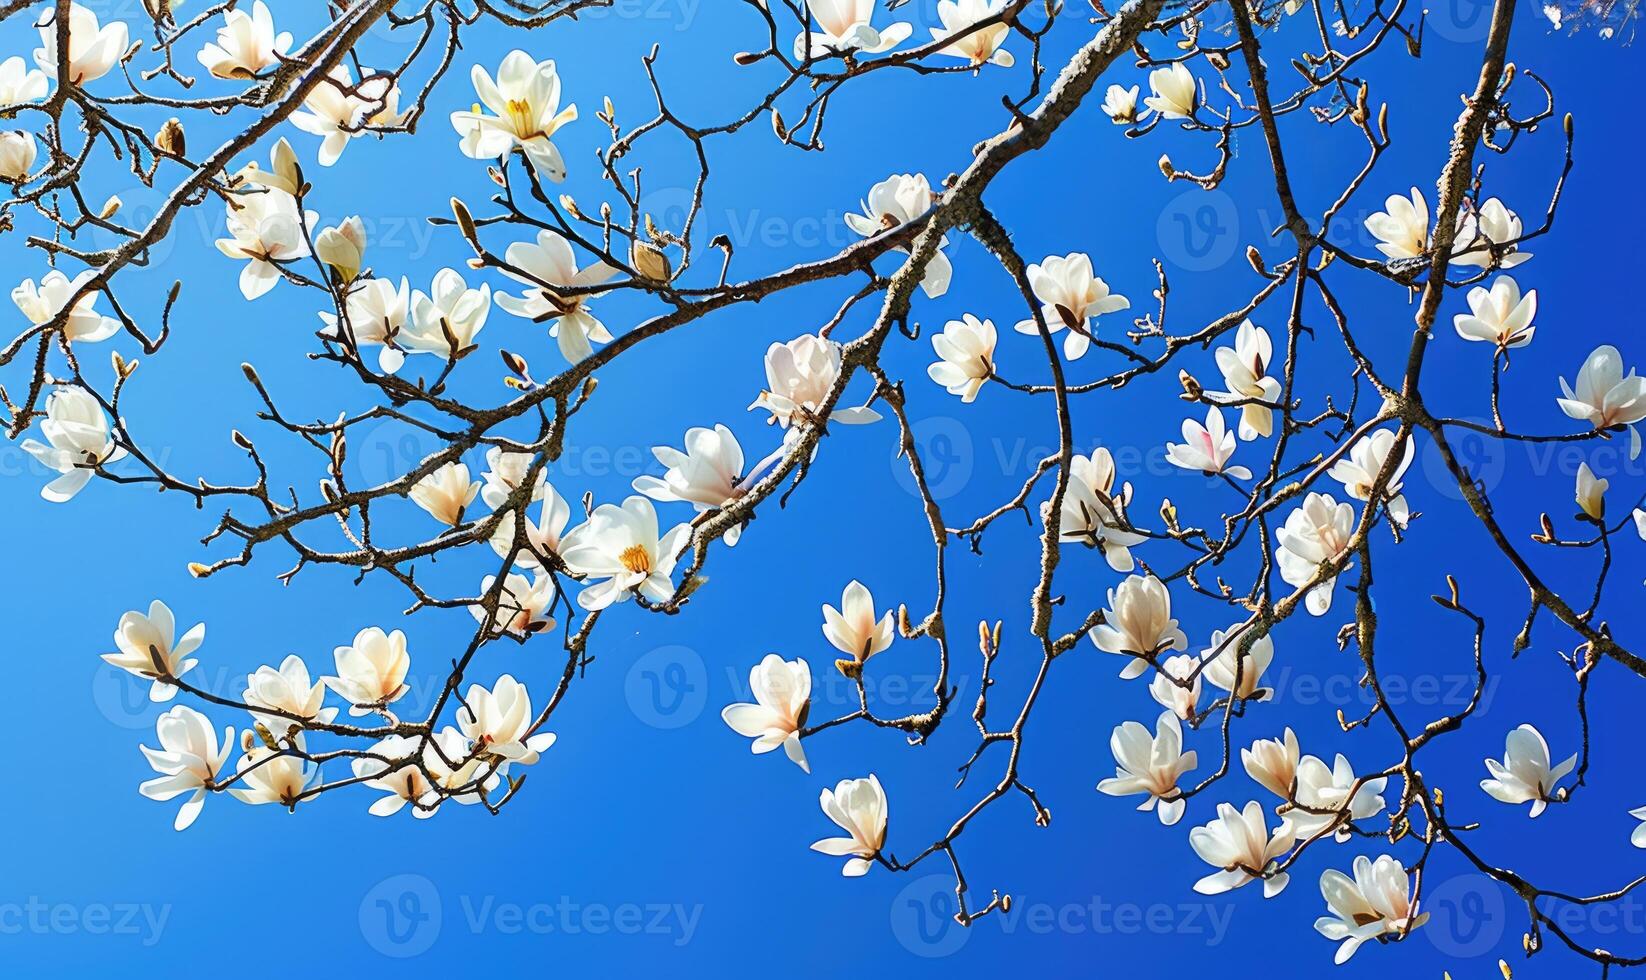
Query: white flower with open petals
[(1524, 775), (782, 691), (708, 474), (265, 229), (1499, 315), (1591, 492), (1174, 91), (525, 113), (1377, 901), (1637, 837), (1207, 448), (1402, 227), (1094, 513), (547, 266), (1120, 105), (853, 628), (20, 84), (1328, 798), (1272, 764), (446, 493), (799, 376), (500, 720), (371, 671), (1604, 397), (857, 806), (1238, 844), (844, 28), (271, 776), (1245, 371), (18, 151), (896, 201), (289, 692), (77, 440), (338, 110), (43, 303), (376, 314), (94, 49), (981, 46), (1176, 685), (522, 604), (1486, 237), (1138, 624), (188, 760), (965, 350), (542, 535), (246, 44), (1317, 531), (1224, 656), (505, 473), (1150, 765), (446, 320), (621, 554), (1071, 297), (403, 784), (1359, 470)]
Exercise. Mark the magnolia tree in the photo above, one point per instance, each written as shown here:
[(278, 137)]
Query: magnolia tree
[(1313, 486)]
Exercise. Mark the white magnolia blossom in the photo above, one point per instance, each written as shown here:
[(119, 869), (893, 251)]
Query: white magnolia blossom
[(1317, 531), (782, 691), (18, 150), (1138, 624), (20, 84), (42, 303), (853, 629), (1182, 699), (499, 721), (857, 806), (525, 113), (1604, 397), (546, 266), (1324, 800), (265, 229), (405, 784), (542, 535), (371, 671), (77, 439), (621, 548), (338, 110), (188, 760), (1637, 837), (1499, 315), (522, 606), (446, 493), (844, 28), (1120, 105), (799, 376), (1207, 448), (965, 350), (1524, 775), (505, 472), (285, 173), (1071, 298), (1224, 661), (94, 49), (377, 310), (1591, 492), (1272, 763), (287, 690), (896, 201), (1245, 367), (980, 47), (1093, 514), (1238, 844), (1173, 91), (446, 319), (708, 474), (274, 776), (1402, 228), (1377, 901), (1478, 232), (343, 248), (246, 44), (144, 641), (1359, 469), (1151, 765)]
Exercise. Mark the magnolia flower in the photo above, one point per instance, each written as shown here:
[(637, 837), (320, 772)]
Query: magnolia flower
[(1638, 836), (460, 773), (1207, 448), (1316, 532), (274, 776), (1238, 843), (1071, 296), (1093, 514), (446, 320), (343, 248), (505, 472), (707, 475), (43, 303), (1359, 470), (286, 176), (981, 46), (94, 50), (542, 536), (1604, 397), (1324, 800), (145, 645), (522, 606), (445, 493), (1272, 764), (246, 44), (287, 690), (844, 29), (525, 106), (799, 377), (1524, 774), (896, 201), (500, 720), (188, 760), (1138, 623), (17, 152), (1173, 89), (782, 692), (1244, 368), (1376, 902), (1591, 493), (1150, 765), (1181, 698), (371, 671), (1223, 652), (338, 110), (405, 784), (853, 629), (857, 806), (620, 546), (376, 311), (1120, 105), (966, 349), (546, 267), (1500, 315), (78, 433), (19, 84), (265, 228), (1478, 233), (1402, 229)]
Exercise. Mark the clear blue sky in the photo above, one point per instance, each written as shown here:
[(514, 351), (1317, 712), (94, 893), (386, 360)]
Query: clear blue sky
[(648, 838)]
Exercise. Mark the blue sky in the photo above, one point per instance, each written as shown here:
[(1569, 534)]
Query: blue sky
[(649, 837)]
